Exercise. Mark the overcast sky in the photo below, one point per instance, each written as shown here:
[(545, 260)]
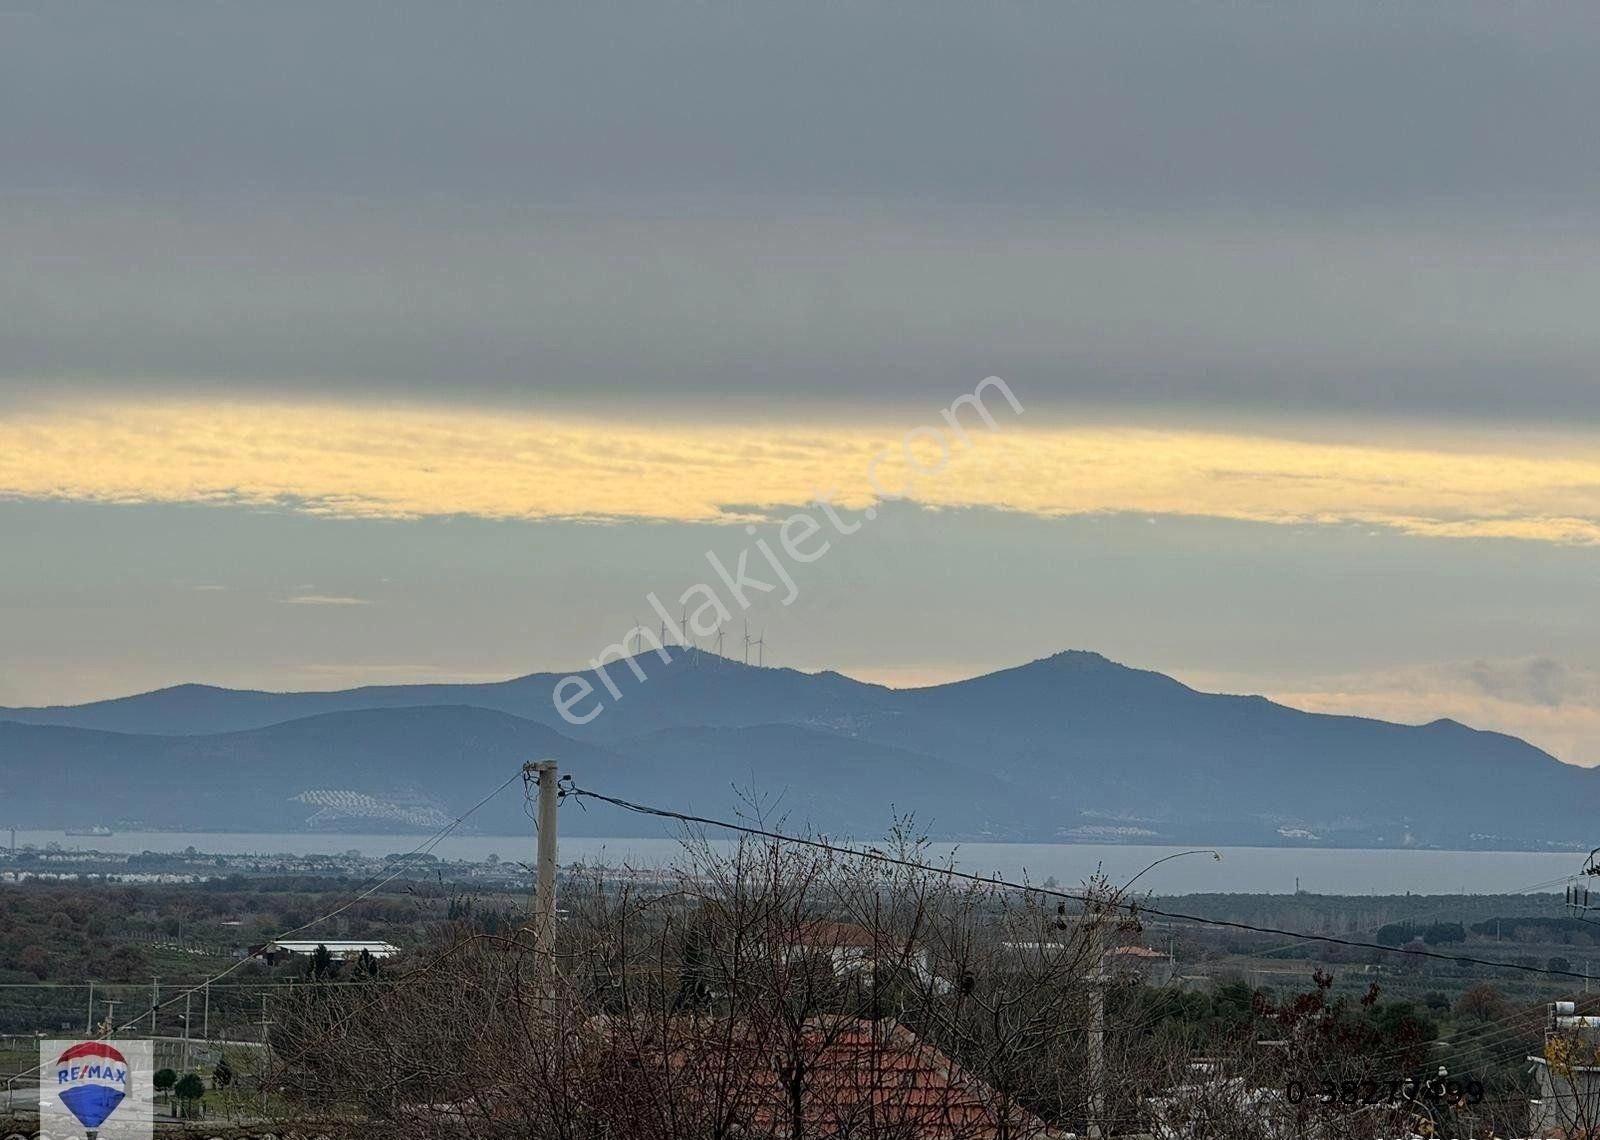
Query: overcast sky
[(367, 304)]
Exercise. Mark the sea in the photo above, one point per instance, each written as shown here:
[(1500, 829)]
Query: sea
[(1256, 870)]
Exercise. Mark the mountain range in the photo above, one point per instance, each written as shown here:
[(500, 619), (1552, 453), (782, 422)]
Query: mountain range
[(1072, 747)]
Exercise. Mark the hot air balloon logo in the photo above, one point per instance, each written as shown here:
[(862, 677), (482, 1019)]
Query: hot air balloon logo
[(91, 1081)]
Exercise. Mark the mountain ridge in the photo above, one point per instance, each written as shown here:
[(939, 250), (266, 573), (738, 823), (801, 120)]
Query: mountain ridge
[(1046, 750)]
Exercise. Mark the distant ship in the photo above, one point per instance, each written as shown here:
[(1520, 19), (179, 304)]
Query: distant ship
[(97, 831)]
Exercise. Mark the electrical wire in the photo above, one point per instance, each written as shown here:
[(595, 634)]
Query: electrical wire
[(995, 881), (367, 892), (1501, 1040)]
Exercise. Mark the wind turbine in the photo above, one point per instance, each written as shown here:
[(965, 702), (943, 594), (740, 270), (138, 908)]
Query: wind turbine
[(747, 641), (719, 640), (691, 642), (761, 656)]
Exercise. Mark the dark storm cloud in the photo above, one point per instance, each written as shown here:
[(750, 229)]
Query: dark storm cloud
[(1370, 207)]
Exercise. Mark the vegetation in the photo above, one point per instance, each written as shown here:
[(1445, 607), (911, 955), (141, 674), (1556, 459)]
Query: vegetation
[(700, 945), (191, 1092), (717, 1004), (117, 938)]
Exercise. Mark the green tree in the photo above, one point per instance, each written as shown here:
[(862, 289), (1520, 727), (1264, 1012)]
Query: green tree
[(164, 1080), (222, 1075), (1400, 1023), (189, 1089), (1442, 932), (321, 964), (1394, 934)]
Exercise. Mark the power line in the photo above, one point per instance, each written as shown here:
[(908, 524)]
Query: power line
[(995, 881), (399, 866), (1489, 1045)]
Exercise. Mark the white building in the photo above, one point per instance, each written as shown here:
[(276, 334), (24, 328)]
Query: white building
[(346, 949)]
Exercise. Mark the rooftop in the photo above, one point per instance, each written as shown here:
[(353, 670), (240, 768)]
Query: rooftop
[(334, 946)]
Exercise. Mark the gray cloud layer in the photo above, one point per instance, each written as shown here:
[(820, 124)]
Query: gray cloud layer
[(1460, 317), (1368, 207), (1367, 102)]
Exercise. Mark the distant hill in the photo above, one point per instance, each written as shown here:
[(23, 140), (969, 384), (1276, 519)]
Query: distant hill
[(692, 689), (840, 784), (1069, 747), (398, 769)]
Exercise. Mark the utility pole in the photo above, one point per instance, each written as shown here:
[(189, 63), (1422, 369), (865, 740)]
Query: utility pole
[(205, 1017), (187, 998), (1097, 1028), (547, 773), (266, 1049), (88, 1024), (155, 1000), (1097, 1051)]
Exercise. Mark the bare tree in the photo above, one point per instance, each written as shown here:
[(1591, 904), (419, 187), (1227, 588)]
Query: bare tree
[(764, 988)]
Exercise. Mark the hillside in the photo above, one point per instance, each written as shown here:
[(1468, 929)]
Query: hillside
[(1069, 747)]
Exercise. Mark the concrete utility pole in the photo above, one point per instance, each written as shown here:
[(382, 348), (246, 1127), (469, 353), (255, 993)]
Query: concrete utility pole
[(187, 998), (266, 1048), (1098, 977), (205, 1018), (544, 915), (88, 1025), (155, 1000), (1097, 1051)]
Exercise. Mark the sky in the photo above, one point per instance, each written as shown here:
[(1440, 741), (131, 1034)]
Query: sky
[(363, 343)]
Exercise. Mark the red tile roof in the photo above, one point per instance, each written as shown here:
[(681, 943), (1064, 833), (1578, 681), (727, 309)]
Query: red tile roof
[(859, 1076), (1134, 952), (826, 934)]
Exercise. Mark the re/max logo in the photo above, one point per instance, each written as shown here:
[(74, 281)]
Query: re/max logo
[(105, 1072)]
